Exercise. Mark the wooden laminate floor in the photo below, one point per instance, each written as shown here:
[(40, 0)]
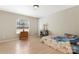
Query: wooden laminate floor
[(32, 46)]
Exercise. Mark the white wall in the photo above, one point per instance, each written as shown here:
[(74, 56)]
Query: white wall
[(66, 21), (8, 24)]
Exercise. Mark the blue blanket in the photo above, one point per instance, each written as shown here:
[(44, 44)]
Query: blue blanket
[(65, 39)]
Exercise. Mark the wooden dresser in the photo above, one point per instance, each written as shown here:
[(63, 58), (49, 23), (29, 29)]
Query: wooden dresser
[(23, 35)]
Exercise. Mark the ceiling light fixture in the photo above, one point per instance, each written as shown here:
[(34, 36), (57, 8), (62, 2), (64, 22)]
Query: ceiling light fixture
[(36, 6)]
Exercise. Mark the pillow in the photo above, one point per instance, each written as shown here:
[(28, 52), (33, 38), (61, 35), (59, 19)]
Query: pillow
[(70, 35), (77, 43)]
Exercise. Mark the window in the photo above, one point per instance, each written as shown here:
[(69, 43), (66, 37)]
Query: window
[(22, 24)]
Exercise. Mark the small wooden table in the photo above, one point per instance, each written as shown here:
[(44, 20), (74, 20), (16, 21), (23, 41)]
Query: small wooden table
[(23, 35)]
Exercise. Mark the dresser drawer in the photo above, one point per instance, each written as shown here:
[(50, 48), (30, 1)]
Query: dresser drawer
[(23, 35)]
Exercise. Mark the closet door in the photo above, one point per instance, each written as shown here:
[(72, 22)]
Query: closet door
[(33, 27)]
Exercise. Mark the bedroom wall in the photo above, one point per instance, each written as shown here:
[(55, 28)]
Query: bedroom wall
[(8, 24), (65, 21)]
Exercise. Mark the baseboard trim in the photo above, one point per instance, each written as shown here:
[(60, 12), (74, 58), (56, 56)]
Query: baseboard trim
[(7, 40)]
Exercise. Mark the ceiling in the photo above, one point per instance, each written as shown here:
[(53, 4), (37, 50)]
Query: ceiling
[(42, 11)]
